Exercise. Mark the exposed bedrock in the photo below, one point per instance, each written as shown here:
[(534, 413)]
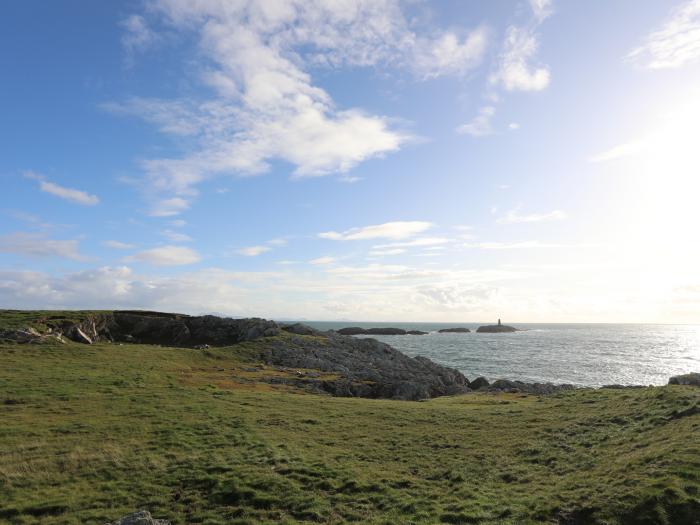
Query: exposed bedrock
[(366, 367)]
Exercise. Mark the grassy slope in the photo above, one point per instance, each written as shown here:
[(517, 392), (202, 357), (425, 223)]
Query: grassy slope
[(89, 433)]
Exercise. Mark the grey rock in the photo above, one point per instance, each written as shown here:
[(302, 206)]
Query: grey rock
[(540, 389), (367, 368), (692, 379), (142, 517), (454, 330), (496, 329), (300, 329), (479, 382)]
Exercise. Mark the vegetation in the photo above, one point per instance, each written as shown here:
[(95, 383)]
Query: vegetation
[(90, 433)]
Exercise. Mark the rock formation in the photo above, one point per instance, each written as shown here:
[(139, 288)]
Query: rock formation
[(454, 330), (496, 328), (365, 367), (356, 330), (692, 379)]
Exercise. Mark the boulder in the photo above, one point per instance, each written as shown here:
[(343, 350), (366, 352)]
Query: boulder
[(479, 382), (142, 517), (458, 330), (692, 379)]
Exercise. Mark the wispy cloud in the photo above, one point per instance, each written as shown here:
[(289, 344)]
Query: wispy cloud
[(623, 150), (118, 245), (421, 241), (69, 194), (253, 251), (174, 236), (388, 230), (480, 126), (675, 44), (167, 256), (515, 71), (137, 36), (38, 245), (322, 260), (169, 207), (514, 216)]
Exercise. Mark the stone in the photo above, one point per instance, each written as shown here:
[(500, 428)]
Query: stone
[(459, 330), (692, 379), (479, 382), (142, 517)]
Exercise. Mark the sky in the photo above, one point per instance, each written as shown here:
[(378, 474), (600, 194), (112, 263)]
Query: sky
[(368, 160)]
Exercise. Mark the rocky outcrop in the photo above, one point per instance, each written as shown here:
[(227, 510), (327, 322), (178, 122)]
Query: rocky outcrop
[(504, 385), (149, 328), (29, 335), (142, 517), (454, 331), (300, 329), (356, 330), (692, 379), (496, 329), (365, 368)]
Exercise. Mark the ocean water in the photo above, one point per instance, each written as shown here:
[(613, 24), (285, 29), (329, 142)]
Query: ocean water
[(580, 354)]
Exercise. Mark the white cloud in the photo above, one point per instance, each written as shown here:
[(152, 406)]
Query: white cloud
[(513, 126), (676, 43), (322, 260), (388, 230), (386, 252), (266, 106), (618, 152), (480, 126), (253, 251), (38, 245), (174, 236), (167, 256), (169, 207), (513, 217), (450, 54), (178, 223), (137, 35), (541, 9), (69, 194), (118, 245), (422, 241), (278, 242), (515, 72)]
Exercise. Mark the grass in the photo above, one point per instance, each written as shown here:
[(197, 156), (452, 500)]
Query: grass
[(90, 433)]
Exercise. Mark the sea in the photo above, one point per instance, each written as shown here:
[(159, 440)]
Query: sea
[(590, 355)]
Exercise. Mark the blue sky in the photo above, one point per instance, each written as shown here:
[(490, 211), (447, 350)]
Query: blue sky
[(361, 160)]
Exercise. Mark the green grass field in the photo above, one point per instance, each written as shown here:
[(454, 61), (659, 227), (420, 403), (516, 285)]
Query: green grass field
[(90, 433)]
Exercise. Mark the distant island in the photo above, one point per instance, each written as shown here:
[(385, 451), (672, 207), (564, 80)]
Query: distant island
[(356, 330), (459, 330), (496, 328)]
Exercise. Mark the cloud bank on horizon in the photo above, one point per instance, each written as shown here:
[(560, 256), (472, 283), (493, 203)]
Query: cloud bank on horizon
[(499, 166)]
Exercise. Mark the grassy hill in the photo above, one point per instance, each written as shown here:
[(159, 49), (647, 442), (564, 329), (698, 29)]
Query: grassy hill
[(90, 433)]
